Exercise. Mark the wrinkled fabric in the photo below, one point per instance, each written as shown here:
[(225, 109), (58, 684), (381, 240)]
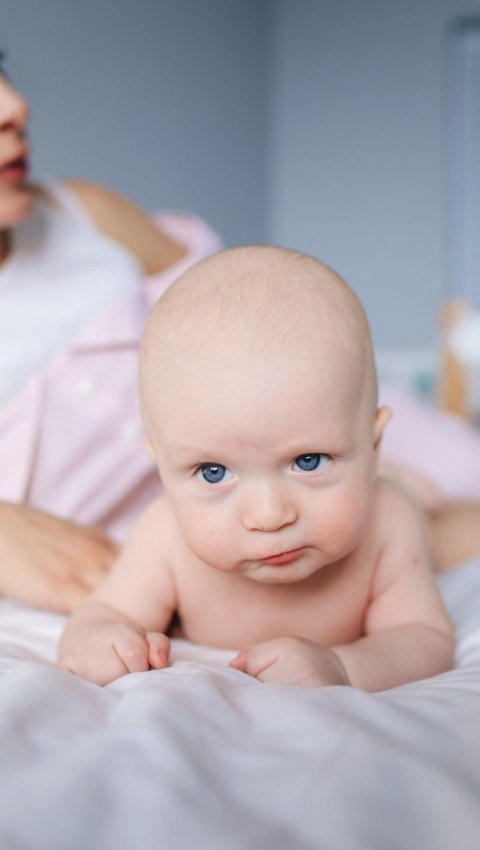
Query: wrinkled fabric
[(200, 755)]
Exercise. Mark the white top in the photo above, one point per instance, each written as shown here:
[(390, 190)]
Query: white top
[(61, 272)]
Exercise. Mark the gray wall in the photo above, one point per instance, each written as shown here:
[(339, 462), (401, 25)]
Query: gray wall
[(358, 158), (162, 99), (318, 124)]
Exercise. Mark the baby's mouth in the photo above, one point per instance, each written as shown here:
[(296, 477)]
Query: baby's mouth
[(282, 558)]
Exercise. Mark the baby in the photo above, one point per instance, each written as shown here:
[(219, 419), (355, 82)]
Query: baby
[(273, 535)]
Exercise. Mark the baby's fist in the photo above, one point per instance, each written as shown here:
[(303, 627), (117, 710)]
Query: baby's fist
[(115, 649), (292, 661)]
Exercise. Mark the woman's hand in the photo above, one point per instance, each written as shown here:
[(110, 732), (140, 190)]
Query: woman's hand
[(47, 562)]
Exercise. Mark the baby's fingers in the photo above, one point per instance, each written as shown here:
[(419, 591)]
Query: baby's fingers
[(256, 659), (240, 661), (101, 667), (159, 650), (133, 651)]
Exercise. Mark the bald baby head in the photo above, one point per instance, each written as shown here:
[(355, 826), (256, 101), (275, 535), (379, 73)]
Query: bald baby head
[(254, 311)]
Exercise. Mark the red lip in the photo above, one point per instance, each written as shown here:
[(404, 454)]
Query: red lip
[(15, 169), (282, 557)]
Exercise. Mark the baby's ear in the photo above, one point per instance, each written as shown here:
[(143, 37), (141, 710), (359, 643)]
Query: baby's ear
[(382, 418)]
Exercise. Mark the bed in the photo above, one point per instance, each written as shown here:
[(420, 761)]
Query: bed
[(202, 756)]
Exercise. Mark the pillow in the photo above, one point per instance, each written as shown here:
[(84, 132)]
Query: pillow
[(438, 444)]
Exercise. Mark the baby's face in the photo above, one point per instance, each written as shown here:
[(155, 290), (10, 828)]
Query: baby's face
[(269, 467)]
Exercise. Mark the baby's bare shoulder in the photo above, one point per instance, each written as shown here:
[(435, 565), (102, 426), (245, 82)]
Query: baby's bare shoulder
[(393, 512), (403, 589), (154, 518), (400, 533), (156, 528), (159, 529), (157, 514)]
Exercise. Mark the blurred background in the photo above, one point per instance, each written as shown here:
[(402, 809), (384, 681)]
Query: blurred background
[(322, 125)]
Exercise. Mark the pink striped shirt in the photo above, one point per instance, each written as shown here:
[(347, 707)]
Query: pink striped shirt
[(71, 439)]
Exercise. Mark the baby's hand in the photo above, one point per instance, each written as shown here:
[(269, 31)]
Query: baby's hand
[(115, 649), (292, 661)]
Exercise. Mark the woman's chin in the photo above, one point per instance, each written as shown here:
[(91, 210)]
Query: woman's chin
[(16, 206)]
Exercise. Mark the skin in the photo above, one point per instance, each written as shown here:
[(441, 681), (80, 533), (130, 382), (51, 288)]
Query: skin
[(274, 535), (57, 562), (452, 528), (454, 533)]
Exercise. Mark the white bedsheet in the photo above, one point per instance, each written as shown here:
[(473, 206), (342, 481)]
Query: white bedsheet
[(202, 756)]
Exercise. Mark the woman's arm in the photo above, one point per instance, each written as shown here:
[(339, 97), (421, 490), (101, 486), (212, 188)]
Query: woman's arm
[(129, 225), (47, 562)]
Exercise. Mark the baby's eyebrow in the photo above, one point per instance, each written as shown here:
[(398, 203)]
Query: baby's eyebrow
[(191, 452), (187, 445)]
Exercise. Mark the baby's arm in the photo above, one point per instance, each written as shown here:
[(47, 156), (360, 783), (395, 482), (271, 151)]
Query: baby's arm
[(120, 629), (408, 634)]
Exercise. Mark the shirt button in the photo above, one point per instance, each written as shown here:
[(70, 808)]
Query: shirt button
[(131, 430), (84, 387)]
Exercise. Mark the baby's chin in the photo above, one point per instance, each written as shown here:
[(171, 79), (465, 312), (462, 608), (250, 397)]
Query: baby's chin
[(281, 574)]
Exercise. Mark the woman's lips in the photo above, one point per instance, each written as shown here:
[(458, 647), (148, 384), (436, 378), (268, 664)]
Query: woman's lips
[(282, 558), (15, 171)]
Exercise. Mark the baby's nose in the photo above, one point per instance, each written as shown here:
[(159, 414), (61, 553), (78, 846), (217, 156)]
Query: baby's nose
[(267, 510)]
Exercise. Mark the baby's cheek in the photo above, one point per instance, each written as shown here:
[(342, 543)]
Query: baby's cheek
[(345, 522), (357, 511), (206, 537)]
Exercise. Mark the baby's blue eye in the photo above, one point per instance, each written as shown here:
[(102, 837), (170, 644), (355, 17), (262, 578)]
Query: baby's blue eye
[(212, 473), (310, 462)]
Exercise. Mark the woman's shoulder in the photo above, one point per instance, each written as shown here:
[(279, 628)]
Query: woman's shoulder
[(104, 205), (164, 244), (116, 217), (125, 222)]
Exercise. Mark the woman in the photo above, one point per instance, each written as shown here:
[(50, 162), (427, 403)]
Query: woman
[(80, 267)]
